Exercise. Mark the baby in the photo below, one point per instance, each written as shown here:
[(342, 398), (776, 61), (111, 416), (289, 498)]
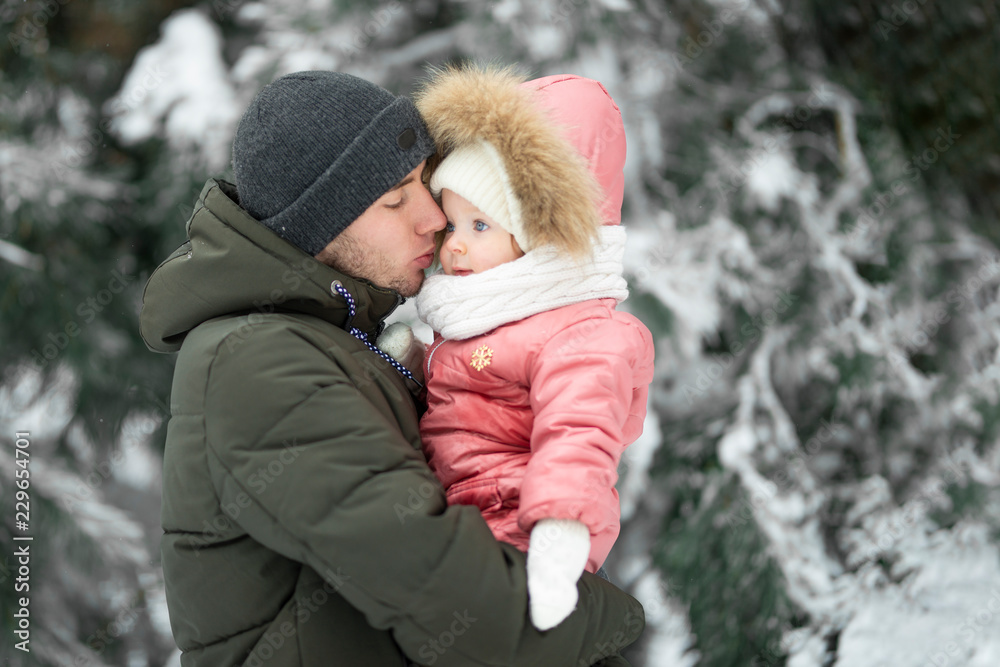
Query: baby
[(535, 382)]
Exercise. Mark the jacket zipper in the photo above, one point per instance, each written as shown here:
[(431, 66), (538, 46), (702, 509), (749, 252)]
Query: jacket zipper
[(380, 327), (430, 355)]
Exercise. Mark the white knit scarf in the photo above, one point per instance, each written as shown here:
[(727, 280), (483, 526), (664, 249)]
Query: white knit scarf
[(460, 307)]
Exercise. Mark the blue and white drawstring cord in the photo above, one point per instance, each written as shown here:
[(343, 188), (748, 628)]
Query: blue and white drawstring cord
[(363, 337)]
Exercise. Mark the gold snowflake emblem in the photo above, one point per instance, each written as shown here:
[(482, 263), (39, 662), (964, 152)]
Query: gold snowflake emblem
[(481, 357)]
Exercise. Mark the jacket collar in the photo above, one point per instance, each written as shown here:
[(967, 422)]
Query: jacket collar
[(373, 303), (233, 264)]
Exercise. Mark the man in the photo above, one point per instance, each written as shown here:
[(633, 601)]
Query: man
[(302, 523)]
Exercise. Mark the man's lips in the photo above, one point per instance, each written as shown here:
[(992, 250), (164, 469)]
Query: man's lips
[(424, 261)]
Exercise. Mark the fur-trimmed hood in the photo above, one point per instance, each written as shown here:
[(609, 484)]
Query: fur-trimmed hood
[(593, 123), (561, 140)]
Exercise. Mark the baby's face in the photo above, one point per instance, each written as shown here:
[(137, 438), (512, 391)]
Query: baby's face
[(473, 242)]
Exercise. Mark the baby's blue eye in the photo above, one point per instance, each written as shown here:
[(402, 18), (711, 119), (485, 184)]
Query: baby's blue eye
[(480, 226), (449, 227)]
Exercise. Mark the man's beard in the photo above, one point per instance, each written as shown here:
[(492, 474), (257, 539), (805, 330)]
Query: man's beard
[(348, 256)]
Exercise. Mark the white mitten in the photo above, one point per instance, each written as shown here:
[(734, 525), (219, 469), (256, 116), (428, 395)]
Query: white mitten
[(557, 555), (399, 343)]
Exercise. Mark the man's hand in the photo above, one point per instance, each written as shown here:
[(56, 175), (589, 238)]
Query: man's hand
[(557, 555)]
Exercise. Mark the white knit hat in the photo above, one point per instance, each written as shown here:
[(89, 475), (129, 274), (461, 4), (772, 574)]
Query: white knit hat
[(475, 172)]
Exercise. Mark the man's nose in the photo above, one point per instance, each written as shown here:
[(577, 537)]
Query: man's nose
[(429, 217)]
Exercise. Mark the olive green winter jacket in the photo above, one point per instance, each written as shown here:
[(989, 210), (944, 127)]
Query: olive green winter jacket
[(302, 525)]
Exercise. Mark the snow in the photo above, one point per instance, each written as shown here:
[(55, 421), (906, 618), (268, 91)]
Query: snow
[(252, 62), (772, 178), (40, 409), (49, 167), (688, 270), (636, 460), (505, 10), (616, 5), (736, 446), (407, 313), (935, 599), (179, 89), (669, 640), (947, 612), (136, 465), (545, 42), (308, 59)]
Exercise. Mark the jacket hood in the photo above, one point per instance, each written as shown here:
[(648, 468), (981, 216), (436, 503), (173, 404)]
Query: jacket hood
[(232, 265), (557, 194), (592, 122)]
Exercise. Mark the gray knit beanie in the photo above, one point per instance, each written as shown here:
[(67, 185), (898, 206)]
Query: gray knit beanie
[(315, 149)]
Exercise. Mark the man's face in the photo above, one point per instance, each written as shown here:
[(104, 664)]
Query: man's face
[(392, 242)]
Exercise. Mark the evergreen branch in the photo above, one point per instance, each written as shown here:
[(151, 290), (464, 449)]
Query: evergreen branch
[(425, 48), (18, 256), (789, 520)]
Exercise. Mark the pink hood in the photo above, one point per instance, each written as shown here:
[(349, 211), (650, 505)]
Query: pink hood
[(593, 124)]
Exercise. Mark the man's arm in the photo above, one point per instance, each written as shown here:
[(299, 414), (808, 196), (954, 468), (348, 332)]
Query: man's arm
[(327, 479)]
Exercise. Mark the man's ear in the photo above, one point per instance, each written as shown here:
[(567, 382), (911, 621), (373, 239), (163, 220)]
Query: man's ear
[(429, 167)]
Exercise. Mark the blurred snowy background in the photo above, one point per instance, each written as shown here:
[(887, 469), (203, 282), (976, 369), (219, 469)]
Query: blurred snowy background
[(812, 201)]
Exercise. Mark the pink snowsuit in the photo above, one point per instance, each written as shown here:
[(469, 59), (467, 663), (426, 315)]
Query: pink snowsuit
[(529, 421)]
